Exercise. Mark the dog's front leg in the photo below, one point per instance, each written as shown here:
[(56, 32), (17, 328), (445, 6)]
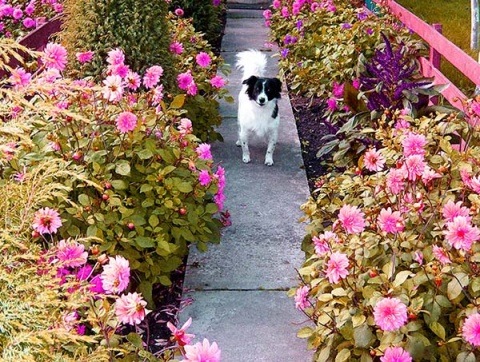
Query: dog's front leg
[(272, 142), (243, 141)]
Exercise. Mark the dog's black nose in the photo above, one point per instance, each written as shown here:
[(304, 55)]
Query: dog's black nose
[(261, 100)]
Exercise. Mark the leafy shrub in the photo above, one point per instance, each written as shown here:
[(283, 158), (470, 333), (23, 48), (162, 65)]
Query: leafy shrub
[(140, 29), (406, 229)]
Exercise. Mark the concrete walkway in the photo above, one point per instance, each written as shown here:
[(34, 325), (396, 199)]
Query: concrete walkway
[(238, 288)]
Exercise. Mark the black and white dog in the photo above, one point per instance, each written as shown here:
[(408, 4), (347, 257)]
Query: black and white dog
[(257, 103)]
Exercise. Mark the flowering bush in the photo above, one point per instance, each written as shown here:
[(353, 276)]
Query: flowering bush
[(393, 253), (148, 189), (19, 17)]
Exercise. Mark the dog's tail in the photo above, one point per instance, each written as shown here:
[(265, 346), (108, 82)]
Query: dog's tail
[(252, 62)]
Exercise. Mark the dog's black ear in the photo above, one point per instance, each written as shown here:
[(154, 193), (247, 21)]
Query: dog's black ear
[(277, 86), (250, 81)]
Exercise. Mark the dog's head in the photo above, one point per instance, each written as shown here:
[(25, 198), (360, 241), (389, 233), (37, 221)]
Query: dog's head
[(263, 90)]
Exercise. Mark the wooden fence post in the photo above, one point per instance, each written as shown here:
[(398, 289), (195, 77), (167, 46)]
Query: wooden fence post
[(435, 56)]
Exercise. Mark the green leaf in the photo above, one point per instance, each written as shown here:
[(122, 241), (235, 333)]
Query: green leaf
[(363, 336), (466, 357), (153, 221), (185, 187), (119, 184), (84, 200), (135, 339), (401, 277), (144, 242), (145, 154), (343, 355), (438, 329), (178, 101), (455, 287), (305, 332), (122, 168)]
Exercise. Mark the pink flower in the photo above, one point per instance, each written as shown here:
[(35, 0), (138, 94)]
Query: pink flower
[(203, 59), (390, 314), (54, 56), (429, 175), (217, 82), (285, 12), (185, 126), (84, 57), (157, 95), (471, 329), (71, 254), (337, 267), (96, 285), (29, 23), (176, 48), (314, 7), (17, 13), (390, 222), (441, 255), (356, 83), (466, 177), (395, 180), (219, 198), (184, 80), (152, 76), (180, 336), (461, 234), (192, 89), (202, 352), (130, 308), (322, 242), (115, 57), (116, 275), (20, 78), (113, 88), (119, 69), (413, 144), (276, 4), (395, 354), (126, 122), (332, 104), (132, 80), (204, 178), (352, 219), (46, 221), (179, 12), (475, 184), (337, 88), (373, 159), (301, 298), (451, 210), (414, 166), (203, 151), (418, 257)]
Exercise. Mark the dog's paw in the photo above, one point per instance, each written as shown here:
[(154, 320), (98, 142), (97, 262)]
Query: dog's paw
[(238, 143), (246, 159), (268, 162)]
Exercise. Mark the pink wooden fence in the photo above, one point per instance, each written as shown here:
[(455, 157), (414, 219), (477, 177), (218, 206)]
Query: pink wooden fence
[(439, 45)]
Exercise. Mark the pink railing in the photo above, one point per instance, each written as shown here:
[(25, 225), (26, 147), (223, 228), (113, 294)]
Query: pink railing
[(439, 45)]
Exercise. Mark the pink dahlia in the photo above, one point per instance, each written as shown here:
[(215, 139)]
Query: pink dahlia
[(115, 57), (429, 175), (19, 78), (204, 178), (395, 180), (352, 219), (184, 80), (203, 151), (301, 298), (390, 222), (203, 59), (440, 254), (185, 126), (130, 308), (152, 76), (413, 144), (176, 48), (451, 210), (54, 56), (202, 352), (217, 82), (471, 329), (113, 88), (132, 80), (46, 221), (337, 267), (179, 334), (126, 122), (461, 234), (395, 354), (414, 166), (84, 57), (116, 275), (71, 254), (390, 314), (373, 160)]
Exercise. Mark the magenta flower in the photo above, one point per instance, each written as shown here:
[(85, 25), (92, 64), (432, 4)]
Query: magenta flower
[(71, 254), (314, 7), (132, 80), (390, 222), (130, 308), (276, 4), (96, 285), (203, 59), (204, 178), (413, 144), (192, 89), (390, 314), (395, 180), (203, 151), (373, 160), (451, 210), (338, 89), (119, 69), (414, 166), (285, 12), (219, 198), (179, 334), (217, 82), (441, 255), (152, 76), (352, 219), (84, 272), (19, 78), (471, 329), (176, 48), (184, 80), (126, 122), (332, 104), (179, 12), (116, 275), (55, 56), (46, 221), (84, 57), (115, 57), (395, 354), (17, 13), (336, 267), (301, 298), (29, 23), (113, 88), (202, 352), (461, 234)]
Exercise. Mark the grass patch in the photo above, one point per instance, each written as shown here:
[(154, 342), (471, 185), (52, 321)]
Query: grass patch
[(454, 15)]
